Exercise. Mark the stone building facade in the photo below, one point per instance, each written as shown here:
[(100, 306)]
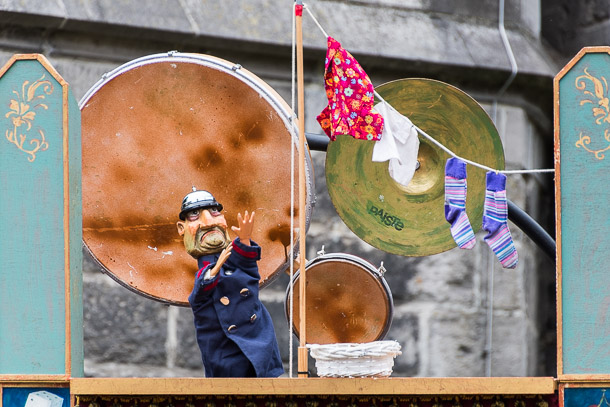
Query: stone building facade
[(457, 313)]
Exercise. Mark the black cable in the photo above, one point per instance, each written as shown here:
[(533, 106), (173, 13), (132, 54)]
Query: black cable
[(532, 229), (317, 142)]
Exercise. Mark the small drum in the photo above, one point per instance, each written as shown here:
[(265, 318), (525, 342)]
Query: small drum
[(159, 125), (348, 300)]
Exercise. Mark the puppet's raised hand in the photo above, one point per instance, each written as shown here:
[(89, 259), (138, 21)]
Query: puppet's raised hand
[(224, 255), (244, 231)]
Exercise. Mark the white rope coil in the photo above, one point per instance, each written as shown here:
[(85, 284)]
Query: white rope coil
[(373, 359)]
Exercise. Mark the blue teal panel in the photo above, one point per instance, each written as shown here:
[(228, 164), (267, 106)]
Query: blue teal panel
[(32, 284), (585, 397), (584, 117), (17, 396), (76, 237)]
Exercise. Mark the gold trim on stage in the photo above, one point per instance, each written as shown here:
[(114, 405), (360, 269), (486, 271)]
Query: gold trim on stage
[(318, 386)]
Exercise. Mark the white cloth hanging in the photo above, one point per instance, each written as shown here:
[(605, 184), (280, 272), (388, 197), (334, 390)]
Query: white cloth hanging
[(399, 144)]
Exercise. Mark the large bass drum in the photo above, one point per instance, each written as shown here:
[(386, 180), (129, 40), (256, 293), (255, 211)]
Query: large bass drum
[(159, 125), (348, 300)]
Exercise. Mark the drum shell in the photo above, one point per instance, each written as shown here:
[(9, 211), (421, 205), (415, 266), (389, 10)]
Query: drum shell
[(157, 126), (348, 300)]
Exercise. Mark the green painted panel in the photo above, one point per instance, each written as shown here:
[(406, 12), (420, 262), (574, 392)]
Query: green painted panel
[(32, 258), (584, 123), (76, 237)]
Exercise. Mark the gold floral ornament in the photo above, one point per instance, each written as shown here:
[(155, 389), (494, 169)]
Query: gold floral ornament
[(22, 114), (601, 110)]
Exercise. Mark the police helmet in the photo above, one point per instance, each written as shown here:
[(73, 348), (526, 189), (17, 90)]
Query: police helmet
[(198, 199)]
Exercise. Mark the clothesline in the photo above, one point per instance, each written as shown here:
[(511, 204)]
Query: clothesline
[(432, 139)]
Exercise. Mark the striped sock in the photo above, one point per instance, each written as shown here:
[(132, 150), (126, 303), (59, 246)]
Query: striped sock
[(495, 215), (455, 203)]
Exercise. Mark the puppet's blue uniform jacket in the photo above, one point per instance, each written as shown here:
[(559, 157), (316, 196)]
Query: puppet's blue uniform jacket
[(234, 330)]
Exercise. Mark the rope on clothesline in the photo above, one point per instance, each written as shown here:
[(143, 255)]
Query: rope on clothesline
[(451, 153), (314, 20), (432, 139)]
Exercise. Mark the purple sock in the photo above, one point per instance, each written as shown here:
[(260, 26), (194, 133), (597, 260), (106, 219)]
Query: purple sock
[(495, 216), (455, 203)]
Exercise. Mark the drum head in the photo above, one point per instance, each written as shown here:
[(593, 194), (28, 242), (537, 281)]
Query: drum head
[(157, 126), (348, 301), (410, 220)]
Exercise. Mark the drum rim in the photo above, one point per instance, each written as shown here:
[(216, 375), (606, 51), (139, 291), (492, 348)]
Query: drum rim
[(340, 256), (346, 258), (256, 83)]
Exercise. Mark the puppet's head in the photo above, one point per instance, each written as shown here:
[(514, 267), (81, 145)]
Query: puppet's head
[(202, 226)]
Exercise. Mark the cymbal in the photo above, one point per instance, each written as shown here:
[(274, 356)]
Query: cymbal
[(159, 125), (410, 220)]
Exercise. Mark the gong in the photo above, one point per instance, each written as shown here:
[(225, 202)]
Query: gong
[(348, 300), (410, 220), (159, 125)]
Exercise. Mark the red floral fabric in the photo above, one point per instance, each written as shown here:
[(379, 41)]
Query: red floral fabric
[(350, 96)]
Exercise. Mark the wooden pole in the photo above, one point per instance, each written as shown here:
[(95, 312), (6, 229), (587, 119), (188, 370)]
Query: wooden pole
[(302, 353)]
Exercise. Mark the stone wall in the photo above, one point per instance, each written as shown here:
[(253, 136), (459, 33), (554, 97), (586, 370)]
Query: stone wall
[(449, 317), (570, 25)]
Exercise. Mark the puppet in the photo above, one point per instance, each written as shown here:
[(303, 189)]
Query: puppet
[(234, 329)]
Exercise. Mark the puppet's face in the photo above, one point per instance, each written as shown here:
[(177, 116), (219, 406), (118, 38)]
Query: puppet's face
[(204, 232)]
